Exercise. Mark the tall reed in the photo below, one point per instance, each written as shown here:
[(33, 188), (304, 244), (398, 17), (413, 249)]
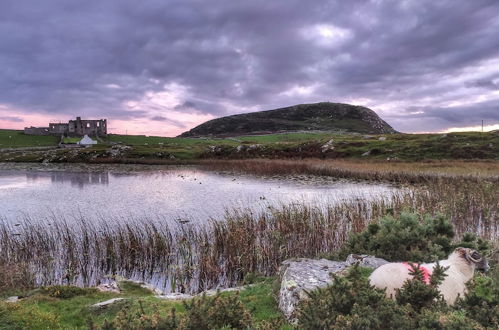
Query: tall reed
[(189, 258)]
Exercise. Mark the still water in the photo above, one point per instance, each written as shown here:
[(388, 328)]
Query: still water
[(157, 193)]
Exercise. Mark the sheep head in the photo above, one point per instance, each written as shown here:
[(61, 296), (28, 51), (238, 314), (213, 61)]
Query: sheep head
[(474, 257)]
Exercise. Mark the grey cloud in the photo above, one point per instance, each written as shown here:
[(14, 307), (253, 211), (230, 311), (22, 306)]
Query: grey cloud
[(185, 106), (167, 120), (58, 57), (486, 83), (12, 119), (434, 118)]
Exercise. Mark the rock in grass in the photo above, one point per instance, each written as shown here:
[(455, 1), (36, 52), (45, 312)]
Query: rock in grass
[(209, 293), (12, 299), (112, 286), (365, 260), (301, 275), (106, 303), (174, 296)]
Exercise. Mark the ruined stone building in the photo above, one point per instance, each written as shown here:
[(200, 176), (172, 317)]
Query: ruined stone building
[(76, 127)]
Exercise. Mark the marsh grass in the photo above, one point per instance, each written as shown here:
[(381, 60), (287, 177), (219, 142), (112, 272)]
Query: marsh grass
[(399, 172), (191, 258)]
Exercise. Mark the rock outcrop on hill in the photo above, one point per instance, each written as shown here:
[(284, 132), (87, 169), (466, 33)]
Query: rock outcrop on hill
[(324, 116)]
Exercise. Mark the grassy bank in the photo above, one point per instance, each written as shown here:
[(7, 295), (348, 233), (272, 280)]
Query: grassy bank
[(68, 308), (16, 139), (408, 147)]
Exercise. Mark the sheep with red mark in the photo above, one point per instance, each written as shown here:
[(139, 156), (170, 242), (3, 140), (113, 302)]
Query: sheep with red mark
[(461, 268)]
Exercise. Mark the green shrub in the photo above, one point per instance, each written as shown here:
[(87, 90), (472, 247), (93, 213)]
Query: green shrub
[(203, 312), (216, 313), (404, 238), (445, 320), (19, 316), (417, 294), (481, 302), (66, 292), (349, 303)]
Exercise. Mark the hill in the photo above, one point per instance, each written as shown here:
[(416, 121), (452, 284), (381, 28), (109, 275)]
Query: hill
[(324, 116)]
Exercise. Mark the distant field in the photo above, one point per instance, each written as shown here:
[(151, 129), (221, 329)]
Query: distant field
[(402, 147), (71, 139), (14, 139), (137, 140)]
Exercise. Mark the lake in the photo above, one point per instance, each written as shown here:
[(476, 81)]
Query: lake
[(80, 224), (158, 193)]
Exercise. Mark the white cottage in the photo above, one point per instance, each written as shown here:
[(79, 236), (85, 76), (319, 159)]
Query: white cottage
[(86, 141)]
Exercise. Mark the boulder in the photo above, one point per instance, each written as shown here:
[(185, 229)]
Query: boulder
[(301, 275), (106, 303), (298, 276)]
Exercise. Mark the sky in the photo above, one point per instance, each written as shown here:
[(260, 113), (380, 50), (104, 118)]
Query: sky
[(161, 67)]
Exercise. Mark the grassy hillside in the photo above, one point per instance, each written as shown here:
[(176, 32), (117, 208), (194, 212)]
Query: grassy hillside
[(324, 116), (15, 139)]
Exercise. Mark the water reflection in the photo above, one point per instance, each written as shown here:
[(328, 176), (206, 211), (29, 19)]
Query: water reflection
[(78, 179), (163, 194)]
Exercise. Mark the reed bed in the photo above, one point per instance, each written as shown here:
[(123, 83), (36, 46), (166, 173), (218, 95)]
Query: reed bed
[(399, 172), (191, 257)]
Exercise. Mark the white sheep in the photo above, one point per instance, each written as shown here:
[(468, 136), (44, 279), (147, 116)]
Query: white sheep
[(462, 264)]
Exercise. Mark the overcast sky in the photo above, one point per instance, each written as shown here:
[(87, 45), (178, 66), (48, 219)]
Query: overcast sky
[(160, 67)]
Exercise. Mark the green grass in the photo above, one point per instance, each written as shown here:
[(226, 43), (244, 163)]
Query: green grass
[(15, 139), (284, 137), (141, 140), (71, 139), (42, 311), (408, 147)]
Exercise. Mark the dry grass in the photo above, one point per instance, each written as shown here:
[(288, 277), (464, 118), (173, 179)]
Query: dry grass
[(405, 172)]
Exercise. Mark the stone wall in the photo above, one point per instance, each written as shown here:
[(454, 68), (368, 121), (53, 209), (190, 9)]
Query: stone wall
[(36, 131)]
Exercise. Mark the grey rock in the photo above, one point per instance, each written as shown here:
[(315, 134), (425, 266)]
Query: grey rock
[(12, 299), (182, 296), (298, 276), (302, 275), (106, 303), (367, 153), (174, 296), (112, 286), (365, 260), (382, 138), (328, 146)]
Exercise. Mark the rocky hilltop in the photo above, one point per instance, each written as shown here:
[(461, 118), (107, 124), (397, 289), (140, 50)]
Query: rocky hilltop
[(324, 116)]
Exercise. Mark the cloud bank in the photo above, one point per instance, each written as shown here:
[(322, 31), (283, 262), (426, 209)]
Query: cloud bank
[(162, 67)]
